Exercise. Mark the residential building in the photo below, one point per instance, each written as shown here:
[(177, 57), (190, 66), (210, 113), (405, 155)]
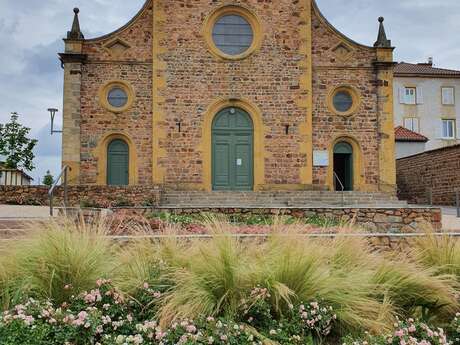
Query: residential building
[(409, 143), (252, 95), (13, 177), (427, 101)]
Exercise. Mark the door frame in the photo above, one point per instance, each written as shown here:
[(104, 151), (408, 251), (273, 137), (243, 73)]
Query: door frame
[(348, 181), (109, 161), (233, 134), (358, 165), (100, 153), (258, 140)]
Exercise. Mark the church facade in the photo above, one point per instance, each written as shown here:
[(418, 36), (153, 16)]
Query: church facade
[(229, 95)]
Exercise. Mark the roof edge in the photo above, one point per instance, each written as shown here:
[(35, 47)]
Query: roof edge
[(323, 18), (439, 149), (124, 27)]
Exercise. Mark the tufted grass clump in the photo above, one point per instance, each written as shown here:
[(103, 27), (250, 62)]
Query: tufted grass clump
[(56, 261)]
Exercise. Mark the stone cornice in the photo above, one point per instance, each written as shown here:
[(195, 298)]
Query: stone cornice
[(72, 58)]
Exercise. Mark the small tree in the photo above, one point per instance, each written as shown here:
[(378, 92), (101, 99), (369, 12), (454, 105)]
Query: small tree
[(48, 179), (15, 144)]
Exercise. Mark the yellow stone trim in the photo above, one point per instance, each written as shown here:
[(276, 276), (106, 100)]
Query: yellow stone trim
[(244, 12), (259, 148), (159, 132), (387, 162), (356, 96), (100, 153), (104, 92), (358, 167), (306, 88)]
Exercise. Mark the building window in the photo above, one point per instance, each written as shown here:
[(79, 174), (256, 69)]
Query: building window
[(448, 129), (117, 97), (412, 123), (343, 100), (232, 34), (410, 96), (448, 96)]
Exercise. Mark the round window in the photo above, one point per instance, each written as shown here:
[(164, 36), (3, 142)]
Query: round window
[(117, 97), (232, 34), (343, 101)]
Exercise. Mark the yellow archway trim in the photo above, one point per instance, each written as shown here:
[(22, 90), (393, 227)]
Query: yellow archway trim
[(242, 11), (100, 152), (358, 167), (259, 148)]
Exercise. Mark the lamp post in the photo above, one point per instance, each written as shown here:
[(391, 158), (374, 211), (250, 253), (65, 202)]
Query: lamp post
[(53, 112)]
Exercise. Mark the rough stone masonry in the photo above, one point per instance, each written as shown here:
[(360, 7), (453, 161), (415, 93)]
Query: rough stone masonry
[(176, 81)]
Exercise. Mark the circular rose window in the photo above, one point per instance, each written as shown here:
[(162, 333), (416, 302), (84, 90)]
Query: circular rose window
[(232, 34), (117, 97)]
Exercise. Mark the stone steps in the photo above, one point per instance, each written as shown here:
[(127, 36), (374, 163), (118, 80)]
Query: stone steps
[(278, 199)]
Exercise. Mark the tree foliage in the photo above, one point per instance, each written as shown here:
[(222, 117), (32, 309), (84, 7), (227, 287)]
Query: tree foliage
[(48, 179), (15, 144)]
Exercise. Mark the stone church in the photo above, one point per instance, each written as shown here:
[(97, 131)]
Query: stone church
[(229, 95)]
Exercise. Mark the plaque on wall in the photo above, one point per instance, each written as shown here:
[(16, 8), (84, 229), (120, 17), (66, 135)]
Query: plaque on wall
[(320, 158)]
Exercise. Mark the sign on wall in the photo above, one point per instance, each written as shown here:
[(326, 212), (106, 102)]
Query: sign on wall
[(320, 158)]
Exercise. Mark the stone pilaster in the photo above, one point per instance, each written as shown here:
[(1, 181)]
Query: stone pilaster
[(384, 83), (72, 61)]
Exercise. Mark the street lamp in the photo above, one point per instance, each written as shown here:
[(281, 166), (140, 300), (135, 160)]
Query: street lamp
[(53, 112)]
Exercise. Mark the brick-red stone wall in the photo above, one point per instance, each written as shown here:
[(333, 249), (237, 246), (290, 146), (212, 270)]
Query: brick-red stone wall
[(357, 71), (94, 196), (135, 67), (438, 170), (269, 79)]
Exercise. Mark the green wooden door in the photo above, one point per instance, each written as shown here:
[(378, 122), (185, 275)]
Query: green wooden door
[(343, 165), (232, 150), (118, 163)]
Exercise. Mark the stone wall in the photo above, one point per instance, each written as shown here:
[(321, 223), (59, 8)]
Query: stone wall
[(177, 79), (382, 220), (438, 170), (356, 70), (133, 65), (87, 196)]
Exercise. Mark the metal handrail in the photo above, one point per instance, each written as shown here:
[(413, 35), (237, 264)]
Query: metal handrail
[(62, 175), (342, 187)]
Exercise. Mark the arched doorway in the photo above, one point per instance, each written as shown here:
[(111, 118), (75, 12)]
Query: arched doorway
[(232, 150), (118, 163), (343, 166)]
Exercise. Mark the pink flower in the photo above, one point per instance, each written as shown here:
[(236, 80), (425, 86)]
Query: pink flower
[(399, 333)]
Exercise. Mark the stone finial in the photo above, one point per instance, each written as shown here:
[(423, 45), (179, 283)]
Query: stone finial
[(382, 41), (75, 33)]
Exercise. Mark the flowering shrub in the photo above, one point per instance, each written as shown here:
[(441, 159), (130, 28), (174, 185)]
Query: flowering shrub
[(455, 330), (297, 326), (103, 316), (410, 332)]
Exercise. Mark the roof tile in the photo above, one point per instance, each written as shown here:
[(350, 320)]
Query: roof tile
[(404, 134)]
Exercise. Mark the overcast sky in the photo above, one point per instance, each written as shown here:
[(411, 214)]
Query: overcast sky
[(31, 33)]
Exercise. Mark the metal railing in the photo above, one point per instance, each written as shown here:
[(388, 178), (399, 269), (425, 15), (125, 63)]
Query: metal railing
[(63, 176), (336, 177)]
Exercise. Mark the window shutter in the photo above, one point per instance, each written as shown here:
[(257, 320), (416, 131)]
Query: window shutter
[(419, 95), (458, 129), (439, 130), (402, 95)]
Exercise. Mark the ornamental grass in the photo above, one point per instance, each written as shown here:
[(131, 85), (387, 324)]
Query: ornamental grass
[(215, 278)]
